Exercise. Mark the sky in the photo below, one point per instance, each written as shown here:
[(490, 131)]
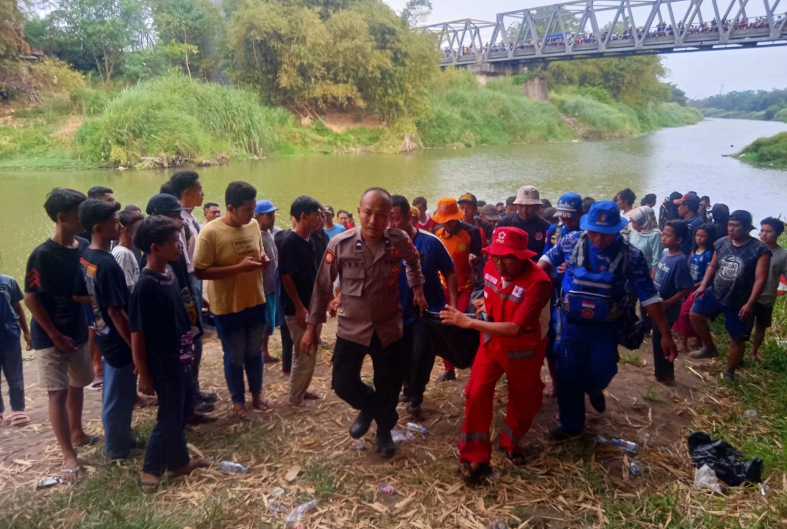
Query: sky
[(699, 74)]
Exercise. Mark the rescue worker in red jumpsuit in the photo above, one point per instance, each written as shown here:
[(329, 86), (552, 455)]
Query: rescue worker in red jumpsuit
[(513, 341)]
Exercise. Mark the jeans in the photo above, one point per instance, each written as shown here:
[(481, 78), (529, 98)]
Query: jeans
[(418, 361), (196, 291), (119, 396), (241, 335), (11, 363), (166, 448), (381, 400)]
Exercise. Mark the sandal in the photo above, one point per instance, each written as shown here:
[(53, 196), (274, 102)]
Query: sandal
[(265, 405), (72, 473), (236, 412), (20, 418), (473, 476), (517, 457), (97, 384), (148, 486), (90, 441)]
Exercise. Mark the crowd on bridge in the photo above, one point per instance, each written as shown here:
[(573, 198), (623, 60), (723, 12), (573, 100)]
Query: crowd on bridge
[(117, 302), (661, 30)]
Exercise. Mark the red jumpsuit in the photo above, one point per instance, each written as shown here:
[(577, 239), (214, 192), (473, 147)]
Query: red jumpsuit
[(524, 301)]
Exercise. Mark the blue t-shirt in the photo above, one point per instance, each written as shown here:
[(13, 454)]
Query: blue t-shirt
[(336, 230), (672, 276), (637, 272), (10, 293), (434, 258), (698, 265)]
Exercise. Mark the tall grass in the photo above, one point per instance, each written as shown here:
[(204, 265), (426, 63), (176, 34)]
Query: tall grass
[(181, 118), (767, 151), (612, 119), (465, 113)]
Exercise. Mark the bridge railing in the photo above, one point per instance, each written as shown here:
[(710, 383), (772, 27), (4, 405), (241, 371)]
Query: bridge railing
[(604, 27)]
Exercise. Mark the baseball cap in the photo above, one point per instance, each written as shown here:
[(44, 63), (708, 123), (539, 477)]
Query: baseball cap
[(603, 217), (490, 212), (469, 198), (162, 204), (264, 206), (689, 200), (569, 205), (509, 241), (510, 201), (447, 209), (528, 196), (328, 209)]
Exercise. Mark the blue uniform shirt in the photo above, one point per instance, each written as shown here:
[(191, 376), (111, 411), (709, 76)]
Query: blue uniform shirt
[(637, 272), (434, 258)]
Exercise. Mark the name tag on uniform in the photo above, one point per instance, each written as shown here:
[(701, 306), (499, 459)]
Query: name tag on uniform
[(489, 277)]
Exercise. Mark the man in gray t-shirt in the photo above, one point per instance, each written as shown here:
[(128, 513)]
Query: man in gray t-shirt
[(770, 230), (265, 213), (732, 285)]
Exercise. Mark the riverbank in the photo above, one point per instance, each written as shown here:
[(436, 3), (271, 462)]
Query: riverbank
[(767, 152), (172, 121)]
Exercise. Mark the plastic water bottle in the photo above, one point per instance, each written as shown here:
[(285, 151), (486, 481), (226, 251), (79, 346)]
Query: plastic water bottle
[(629, 447), (635, 468), (415, 427), (294, 518), (231, 467)]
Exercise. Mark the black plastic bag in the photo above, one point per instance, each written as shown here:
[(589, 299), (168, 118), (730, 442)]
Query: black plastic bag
[(450, 342), (730, 465)]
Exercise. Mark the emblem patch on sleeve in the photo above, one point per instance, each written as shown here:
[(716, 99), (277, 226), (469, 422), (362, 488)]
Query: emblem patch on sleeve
[(330, 257)]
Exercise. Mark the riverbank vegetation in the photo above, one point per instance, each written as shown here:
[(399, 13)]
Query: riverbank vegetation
[(188, 82), (750, 104), (767, 152)]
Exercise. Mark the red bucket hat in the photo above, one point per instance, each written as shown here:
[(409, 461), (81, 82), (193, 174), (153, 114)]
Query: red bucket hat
[(509, 241)]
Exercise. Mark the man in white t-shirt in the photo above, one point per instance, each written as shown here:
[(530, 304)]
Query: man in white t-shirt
[(123, 252)]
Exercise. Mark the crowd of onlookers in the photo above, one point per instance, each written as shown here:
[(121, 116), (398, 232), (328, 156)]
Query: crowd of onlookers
[(120, 299)]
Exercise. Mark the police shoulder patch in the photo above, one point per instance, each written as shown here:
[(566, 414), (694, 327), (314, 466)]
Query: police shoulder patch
[(330, 257), (539, 236)]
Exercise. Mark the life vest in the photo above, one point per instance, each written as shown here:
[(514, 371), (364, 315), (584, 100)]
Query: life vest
[(591, 295)]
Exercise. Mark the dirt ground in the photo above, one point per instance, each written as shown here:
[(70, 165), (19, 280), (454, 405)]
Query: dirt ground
[(554, 489)]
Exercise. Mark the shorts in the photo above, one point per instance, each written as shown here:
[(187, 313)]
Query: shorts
[(271, 313), (58, 371), (763, 316), (708, 306)]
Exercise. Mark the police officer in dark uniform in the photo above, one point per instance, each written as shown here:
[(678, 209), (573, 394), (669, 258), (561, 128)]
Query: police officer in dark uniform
[(367, 259)]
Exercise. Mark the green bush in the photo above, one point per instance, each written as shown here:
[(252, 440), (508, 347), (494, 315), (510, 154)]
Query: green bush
[(180, 118), (595, 92), (767, 151), (465, 113), (614, 119), (781, 115)]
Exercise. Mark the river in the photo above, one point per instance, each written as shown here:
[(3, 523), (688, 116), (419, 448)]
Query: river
[(681, 159)]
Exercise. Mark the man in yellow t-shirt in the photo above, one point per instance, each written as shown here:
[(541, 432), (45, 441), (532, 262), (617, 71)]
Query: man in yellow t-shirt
[(230, 256)]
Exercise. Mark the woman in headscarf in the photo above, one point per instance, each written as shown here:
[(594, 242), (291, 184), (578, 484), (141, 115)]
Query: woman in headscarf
[(720, 214), (646, 236)]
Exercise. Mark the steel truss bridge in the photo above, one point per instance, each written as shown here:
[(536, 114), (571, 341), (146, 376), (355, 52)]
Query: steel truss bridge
[(601, 28)]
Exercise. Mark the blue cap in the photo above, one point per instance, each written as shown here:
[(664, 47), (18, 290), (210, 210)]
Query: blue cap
[(569, 205), (603, 217), (264, 206)]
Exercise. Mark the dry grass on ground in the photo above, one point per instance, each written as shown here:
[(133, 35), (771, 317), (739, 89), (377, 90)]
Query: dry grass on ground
[(308, 454)]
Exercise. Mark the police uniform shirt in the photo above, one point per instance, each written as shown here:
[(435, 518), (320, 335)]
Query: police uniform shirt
[(370, 285)]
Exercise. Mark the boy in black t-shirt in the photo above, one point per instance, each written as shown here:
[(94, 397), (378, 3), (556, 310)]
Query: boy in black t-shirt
[(163, 349), (58, 328), (108, 296)]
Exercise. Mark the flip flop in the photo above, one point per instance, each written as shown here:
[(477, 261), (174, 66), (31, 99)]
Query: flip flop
[(97, 384), (236, 412), (19, 419), (266, 406), (150, 487), (90, 441), (70, 472)]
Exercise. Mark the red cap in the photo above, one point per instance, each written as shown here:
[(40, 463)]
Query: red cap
[(509, 241)]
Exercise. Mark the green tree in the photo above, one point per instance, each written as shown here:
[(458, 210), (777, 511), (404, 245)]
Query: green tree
[(677, 95), (635, 81), (12, 30), (309, 56), (416, 12), (189, 32), (105, 28)]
